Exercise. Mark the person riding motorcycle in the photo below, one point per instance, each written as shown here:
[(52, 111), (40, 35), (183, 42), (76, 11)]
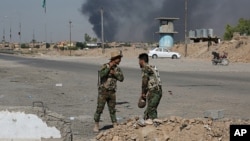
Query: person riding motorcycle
[(221, 59)]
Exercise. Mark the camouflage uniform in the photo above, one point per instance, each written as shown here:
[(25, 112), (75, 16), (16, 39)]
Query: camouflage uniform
[(151, 85), (106, 91)]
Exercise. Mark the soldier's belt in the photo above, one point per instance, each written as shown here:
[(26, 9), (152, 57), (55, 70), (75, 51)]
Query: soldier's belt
[(107, 90), (156, 88)]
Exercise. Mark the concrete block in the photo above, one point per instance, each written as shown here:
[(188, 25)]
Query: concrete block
[(214, 114)]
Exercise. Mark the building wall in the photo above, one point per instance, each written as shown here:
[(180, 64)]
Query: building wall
[(166, 41), (167, 27)]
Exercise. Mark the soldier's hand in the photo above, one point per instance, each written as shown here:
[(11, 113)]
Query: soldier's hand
[(111, 64), (143, 96), (112, 71)]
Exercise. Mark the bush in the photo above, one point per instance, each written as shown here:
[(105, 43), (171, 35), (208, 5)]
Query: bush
[(127, 45), (47, 45), (243, 27), (25, 46), (73, 48)]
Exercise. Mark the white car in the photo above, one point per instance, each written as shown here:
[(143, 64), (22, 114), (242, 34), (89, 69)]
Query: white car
[(162, 52)]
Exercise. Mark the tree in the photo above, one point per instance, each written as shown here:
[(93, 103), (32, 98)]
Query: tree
[(243, 27), (94, 40), (80, 45), (47, 45), (87, 38), (228, 35), (24, 46), (33, 41)]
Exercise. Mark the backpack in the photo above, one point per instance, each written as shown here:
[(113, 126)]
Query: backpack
[(154, 80)]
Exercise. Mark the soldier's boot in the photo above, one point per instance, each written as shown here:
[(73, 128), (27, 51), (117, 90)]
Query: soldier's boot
[(96, 127), (149, 121), (115, 124)]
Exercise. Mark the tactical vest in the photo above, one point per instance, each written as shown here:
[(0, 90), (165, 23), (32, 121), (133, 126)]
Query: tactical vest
[(154, 79), (109, 82)]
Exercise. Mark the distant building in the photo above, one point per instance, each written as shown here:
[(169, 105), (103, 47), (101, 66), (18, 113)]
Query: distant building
[(166, 32), (65, 44), (93, 45), (203, 35)]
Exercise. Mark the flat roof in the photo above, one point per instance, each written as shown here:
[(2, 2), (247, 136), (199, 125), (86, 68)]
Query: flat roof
[(166, 32), (166, 18)]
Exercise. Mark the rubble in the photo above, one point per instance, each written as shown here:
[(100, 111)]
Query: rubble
[(171, 129), (51, 119)]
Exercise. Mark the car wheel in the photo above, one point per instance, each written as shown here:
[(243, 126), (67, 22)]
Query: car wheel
[(225, 62), (154, 56), (174, 57), (214, 62)]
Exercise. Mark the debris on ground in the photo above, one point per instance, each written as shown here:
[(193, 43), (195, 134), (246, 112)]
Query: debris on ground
[(171, 129)]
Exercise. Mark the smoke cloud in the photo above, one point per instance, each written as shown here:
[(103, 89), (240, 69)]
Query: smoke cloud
[(134, 20)]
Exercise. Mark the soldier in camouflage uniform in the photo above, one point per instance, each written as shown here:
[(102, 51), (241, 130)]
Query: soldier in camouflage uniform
[(151, 87), (108, 75)]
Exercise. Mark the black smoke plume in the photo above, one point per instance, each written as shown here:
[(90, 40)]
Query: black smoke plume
[(133, 20)]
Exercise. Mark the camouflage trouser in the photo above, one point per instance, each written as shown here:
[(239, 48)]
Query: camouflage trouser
[(103, 97), (153, 100)]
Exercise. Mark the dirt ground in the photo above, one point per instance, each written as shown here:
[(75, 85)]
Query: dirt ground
[(64, 93), (172, 129), (21, 85), (238, 49)]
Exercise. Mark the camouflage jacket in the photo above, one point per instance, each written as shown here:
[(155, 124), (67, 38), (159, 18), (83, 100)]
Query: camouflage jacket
[(150, 78), (108, 80)]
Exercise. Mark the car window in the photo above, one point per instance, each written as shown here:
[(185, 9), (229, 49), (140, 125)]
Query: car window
[(157, 49), (165, 50)]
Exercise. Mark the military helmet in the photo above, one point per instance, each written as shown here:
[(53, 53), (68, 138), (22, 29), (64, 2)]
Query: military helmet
[(116, 54), (141, 102)]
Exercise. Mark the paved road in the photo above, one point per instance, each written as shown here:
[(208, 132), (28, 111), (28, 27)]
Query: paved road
[(230, 82), (193, 92)]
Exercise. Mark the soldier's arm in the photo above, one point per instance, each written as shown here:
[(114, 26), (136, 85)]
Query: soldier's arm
[(104, 71), (145, 79), (119, 74)]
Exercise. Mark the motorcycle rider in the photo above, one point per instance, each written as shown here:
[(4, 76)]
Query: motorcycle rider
[(216, 55)]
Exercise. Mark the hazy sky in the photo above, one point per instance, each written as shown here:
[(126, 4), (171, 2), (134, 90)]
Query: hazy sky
[(33, 18), (124, 20), (133, 20)]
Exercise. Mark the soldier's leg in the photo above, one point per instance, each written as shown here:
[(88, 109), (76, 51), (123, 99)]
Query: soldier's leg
[(100, 106), (111, 105), (154, 98)]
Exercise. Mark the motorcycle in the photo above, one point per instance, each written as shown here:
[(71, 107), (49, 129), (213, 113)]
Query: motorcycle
[(222, 60)]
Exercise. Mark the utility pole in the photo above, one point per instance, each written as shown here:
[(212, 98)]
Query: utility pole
[(20, 34), (70, 22), (153, 37), (103, 50), (45, 28), (4, 35), (51, 38), (4, 29), (33, 40), (10, 36), (186, 5)]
